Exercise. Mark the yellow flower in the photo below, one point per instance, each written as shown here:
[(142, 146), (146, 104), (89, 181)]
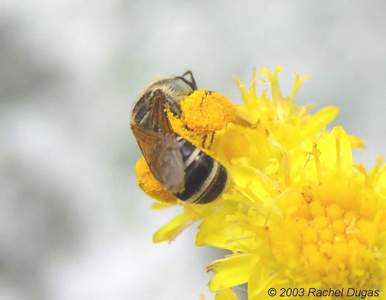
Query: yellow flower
[(297, 211)]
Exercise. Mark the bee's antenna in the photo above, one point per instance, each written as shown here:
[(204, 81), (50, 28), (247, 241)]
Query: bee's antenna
[(191, 81)]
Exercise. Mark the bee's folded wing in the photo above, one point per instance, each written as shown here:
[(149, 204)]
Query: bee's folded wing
[(162, 154)]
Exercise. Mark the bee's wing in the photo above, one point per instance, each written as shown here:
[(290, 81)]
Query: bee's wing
[(169, 163), (162, 154)]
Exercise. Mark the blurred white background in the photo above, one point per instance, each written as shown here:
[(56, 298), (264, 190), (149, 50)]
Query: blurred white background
[(73, 223)]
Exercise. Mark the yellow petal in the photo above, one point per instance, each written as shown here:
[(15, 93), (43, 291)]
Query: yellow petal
[(161, 205), (259, 284), (231, 271), (246, 94), (298, 82), (169, 231), (245, 176), (273, 78), (226, 295), (213, 232), (320, 120), (356, 142), (236, 142), (335, 150)]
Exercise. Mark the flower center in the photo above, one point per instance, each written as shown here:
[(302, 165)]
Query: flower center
[(336, 243)]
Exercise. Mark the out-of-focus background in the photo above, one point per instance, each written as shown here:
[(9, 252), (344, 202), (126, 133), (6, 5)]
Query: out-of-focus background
[(73, 223)]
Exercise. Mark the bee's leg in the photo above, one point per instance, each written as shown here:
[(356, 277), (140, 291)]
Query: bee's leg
[(208, 140), (211, 139), (203, 143)]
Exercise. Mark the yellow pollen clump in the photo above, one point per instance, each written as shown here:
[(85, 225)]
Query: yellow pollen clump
[(149, 184), (205, 112)]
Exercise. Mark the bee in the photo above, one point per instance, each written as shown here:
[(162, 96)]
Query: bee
[(183, 169)]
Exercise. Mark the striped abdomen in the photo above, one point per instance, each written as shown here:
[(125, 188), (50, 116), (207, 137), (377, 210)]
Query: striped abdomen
[(205, 178)]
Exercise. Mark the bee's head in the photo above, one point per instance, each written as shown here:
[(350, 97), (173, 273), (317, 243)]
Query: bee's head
[(173, 89), (176, 87)]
